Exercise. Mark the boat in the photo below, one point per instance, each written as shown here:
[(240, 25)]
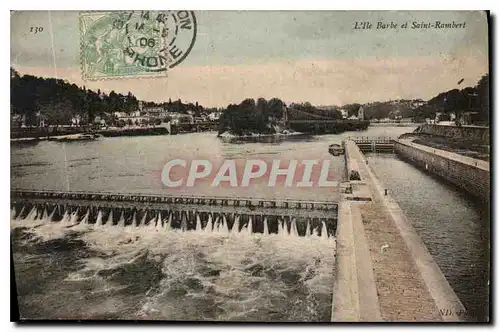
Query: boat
[(74, 137), (336, 149)]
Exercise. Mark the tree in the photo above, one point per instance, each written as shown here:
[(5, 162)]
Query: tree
[(57, 112), (248, 103), (275, 108), (262, 108), (245, 117), (352, 109)]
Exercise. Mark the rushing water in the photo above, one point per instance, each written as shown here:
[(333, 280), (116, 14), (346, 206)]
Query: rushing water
[(453, 227), (71, 270)]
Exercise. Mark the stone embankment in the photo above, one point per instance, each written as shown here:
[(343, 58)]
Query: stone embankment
[(384, 271), (469, 174)]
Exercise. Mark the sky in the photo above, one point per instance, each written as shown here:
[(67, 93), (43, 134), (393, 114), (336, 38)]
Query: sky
[(297, 56)]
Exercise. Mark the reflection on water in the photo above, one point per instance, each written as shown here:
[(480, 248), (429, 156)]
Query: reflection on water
[(454, 228)]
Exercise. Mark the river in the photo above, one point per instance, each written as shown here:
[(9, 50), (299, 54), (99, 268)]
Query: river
[(84, 272), (453, 226)]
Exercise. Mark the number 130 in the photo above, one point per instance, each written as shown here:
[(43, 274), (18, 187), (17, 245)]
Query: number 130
[(36, 29)]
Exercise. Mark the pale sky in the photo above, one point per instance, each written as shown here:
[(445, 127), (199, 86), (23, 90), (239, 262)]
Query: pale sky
[(314, 56)]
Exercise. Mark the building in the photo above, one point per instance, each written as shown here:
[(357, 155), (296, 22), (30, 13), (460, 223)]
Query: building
[(76, 120), (214, 116), (344, 113), (361, 113), (360, 116), (17, 120), (120, 114), (154, 112), (181, 118), (438, 117), (468, 117), (42, 119), (99, 121), (417, 103)]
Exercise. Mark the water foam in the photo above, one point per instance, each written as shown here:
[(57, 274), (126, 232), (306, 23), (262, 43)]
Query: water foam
[(212, 273)]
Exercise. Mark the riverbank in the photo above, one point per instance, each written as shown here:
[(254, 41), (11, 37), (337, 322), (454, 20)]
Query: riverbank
[(48, 133), (468, 141), (230, 135), (476, 134), (45, 132), (133, 131), (459, 146), (393, 124)]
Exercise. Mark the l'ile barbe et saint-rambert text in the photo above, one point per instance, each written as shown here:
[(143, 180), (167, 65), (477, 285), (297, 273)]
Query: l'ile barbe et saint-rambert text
[(381, 25)]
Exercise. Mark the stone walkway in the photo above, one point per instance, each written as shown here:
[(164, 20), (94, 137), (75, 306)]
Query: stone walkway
[(401, 291), (404, 272)]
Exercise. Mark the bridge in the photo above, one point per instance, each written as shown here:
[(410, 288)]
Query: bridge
[(292, 119), (308, 122)]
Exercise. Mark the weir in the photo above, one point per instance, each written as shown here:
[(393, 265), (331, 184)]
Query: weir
[(302, 218)]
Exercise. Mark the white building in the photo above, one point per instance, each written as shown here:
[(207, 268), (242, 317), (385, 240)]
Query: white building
[(99, 121), (154, 112), (344, 113), (361, 113), (75, 121), (120, 114), (181, 118), (417, 103), (151, 111), (214, 116)]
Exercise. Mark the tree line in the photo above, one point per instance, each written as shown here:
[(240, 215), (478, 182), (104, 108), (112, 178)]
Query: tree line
[(60, 101), (473, 99), (470, 99)]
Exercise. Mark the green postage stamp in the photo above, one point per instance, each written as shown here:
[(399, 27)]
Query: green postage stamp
[(122, 44)]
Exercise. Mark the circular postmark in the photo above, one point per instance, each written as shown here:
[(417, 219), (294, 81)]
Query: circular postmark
[(136, 42)]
